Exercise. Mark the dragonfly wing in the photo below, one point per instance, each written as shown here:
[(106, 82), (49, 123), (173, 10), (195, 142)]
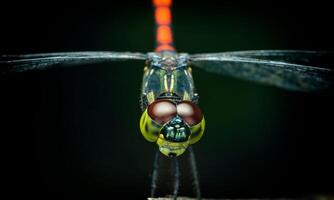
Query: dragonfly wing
[(21, 63), (310, 58), (293, 70)]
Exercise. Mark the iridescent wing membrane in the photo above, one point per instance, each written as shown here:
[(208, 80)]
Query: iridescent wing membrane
[(288, 69), (21, 63)]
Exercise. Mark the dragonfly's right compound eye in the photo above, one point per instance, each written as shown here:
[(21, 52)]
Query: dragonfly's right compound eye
[(162, 111)]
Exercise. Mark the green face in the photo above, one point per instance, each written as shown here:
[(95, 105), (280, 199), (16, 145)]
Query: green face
[(175, 130), (175, 136)]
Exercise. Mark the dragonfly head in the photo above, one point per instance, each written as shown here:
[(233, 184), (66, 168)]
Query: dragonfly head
[(172, 126)]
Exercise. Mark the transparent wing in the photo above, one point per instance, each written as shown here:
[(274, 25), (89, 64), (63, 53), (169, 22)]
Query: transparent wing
[(293, 70), (310, 58), (21, 63)]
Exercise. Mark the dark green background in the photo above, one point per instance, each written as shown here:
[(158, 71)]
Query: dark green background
[(74, 132)]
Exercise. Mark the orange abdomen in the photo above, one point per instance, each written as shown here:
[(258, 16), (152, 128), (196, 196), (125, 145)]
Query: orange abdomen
[(163, 21)]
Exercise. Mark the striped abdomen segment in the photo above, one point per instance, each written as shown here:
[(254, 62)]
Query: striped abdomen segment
[(163, 21)]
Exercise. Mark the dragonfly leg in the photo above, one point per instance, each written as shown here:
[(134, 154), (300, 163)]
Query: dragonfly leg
[(176, 178), (195, 173), (155, 173)]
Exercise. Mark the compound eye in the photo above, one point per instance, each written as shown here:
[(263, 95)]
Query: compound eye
[(189, 112), (162, 111)]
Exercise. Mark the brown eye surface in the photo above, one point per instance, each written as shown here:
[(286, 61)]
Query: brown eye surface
[(161, 111), (189, 112)]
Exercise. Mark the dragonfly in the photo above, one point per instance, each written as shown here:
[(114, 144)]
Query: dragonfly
[(171, 116)]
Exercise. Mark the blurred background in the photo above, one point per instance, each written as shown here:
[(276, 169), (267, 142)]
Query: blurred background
[(74, 132)]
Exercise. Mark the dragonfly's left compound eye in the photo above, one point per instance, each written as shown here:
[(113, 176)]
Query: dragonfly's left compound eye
[(161, 111), (155, 116)]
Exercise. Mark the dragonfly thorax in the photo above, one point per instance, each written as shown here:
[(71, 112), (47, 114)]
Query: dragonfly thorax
[(167, 73)]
